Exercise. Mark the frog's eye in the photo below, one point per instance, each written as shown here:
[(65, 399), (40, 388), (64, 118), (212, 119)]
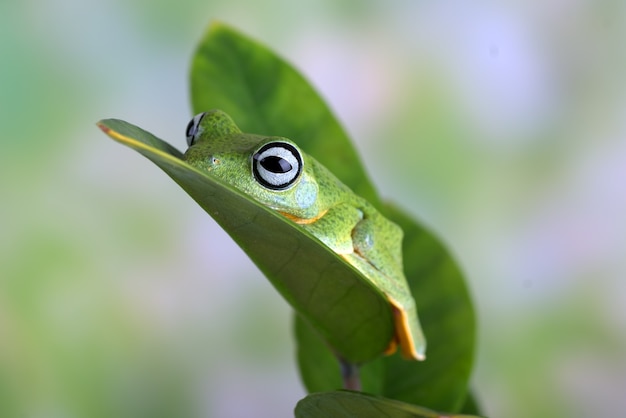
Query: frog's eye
[(193, 128), (277, 165)]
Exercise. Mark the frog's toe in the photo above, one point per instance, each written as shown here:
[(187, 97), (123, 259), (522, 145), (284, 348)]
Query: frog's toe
[(392, 347), (403, 334)]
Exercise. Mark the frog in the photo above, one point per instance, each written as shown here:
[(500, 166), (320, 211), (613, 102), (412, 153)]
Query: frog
[(276, 173)]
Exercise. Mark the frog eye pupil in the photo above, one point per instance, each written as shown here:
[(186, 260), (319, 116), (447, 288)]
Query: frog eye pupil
[(277, 165), (193, 128)]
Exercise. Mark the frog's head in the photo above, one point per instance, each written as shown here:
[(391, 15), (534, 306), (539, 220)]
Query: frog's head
[(269, 169)]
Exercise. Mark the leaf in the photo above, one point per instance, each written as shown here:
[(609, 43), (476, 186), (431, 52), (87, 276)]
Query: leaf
[(265, 95), (345, 404), (350, 314), (471, 405), (447, 317)]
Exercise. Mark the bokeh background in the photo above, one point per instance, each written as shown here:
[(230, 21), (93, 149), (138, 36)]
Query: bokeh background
[(501, 125)]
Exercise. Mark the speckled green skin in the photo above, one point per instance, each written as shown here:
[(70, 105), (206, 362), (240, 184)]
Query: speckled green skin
[(322, 205)]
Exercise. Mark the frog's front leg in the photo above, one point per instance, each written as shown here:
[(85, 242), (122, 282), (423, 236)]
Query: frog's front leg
[(372, 245), (390, 279), (334, 227)]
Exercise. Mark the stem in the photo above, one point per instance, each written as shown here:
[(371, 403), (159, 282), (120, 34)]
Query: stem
[(350, 375)]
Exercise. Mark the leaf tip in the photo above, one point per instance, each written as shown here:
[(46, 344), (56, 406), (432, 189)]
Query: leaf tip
[(100, 124)]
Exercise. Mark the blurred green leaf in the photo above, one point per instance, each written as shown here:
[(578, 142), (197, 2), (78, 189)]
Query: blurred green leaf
[(353, 316), (471, 405), (266, 96), (344, 404)]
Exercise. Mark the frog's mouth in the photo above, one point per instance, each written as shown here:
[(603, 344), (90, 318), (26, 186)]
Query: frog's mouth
[(303, 221)]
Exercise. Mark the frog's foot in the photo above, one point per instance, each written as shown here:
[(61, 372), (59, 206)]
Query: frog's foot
[(391, 348), (403, 335)]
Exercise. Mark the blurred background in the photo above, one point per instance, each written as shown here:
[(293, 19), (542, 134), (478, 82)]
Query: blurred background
[(500, 125)]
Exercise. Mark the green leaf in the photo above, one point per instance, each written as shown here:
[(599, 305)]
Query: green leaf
[(350, 314), (471, 405), (345, 404), (266, 96), (447, 317)]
